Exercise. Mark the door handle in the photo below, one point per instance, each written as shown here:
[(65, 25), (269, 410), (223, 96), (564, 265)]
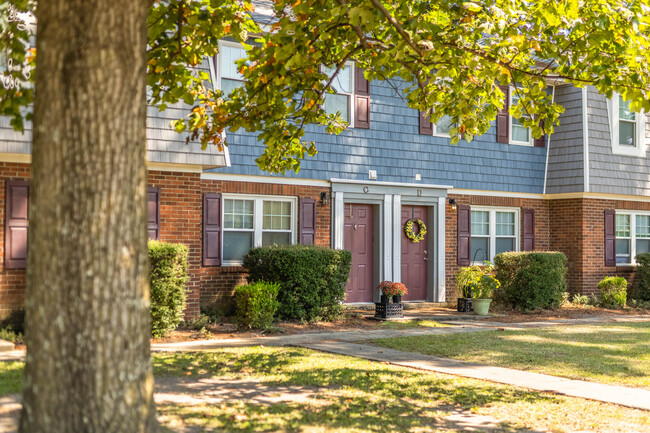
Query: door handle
[(426, 259)]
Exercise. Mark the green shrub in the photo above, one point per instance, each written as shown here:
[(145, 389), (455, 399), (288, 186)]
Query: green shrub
[(532, 280), (312, 279), (613, 291), (9, 334), (579, 299), (167, 277), (642, 281), (256, 304)]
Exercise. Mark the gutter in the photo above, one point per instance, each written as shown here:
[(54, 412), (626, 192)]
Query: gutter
[(548, 145), (585, 140)]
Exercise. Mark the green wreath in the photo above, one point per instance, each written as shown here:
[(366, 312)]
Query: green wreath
[(410, 234)]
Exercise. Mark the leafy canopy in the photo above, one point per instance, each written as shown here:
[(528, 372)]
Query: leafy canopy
[(445, 57)]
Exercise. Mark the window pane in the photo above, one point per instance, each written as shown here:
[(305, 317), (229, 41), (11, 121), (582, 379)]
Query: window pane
[(270, 238), (337, 103), (479, 249), (622, 226), (505, 224), (228, 85), (624, 112), (236, 244), (519, 133), (238, 214), (622, 251), (504, 244), (343, 81), (277, 215), (643, 226), (627, 133), (642, 246), (480, 222), (444, 125), (228, 56)]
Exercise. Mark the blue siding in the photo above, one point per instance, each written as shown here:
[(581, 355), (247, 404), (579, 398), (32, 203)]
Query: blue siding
[(394, 148)]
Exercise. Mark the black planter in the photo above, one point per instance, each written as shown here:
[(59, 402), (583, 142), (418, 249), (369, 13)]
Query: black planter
[(389, 311), (384, 299), (397, 299), (465, 305)]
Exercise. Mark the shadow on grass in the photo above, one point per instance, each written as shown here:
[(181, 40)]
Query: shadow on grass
[(617, 351)]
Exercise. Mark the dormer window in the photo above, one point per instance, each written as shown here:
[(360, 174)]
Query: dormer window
[(518, 134), (627, 128), (341, 101), (228, 76)]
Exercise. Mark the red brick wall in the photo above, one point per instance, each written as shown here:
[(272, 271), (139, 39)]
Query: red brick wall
[(12, 281), (218, 283), (542, 225)]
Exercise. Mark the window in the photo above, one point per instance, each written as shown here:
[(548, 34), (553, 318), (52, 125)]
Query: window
[(343, 85), (493, 232), (632, 236), (256, 221), (442, 127), (518, 134), (228, 76), (628, 128)]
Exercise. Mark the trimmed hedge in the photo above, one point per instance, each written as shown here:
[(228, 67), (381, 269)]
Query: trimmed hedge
[(167, 277), (312, 279), (256, 304), (642, 282), (613, 291), (531, 280)]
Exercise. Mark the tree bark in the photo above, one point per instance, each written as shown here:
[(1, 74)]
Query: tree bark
[(88, 366)]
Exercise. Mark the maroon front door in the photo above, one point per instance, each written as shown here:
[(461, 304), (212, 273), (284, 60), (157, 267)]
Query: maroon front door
[(415, 256), (358, 239)]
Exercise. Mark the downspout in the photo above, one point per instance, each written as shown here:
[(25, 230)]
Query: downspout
[(585, 140), (548, 145)]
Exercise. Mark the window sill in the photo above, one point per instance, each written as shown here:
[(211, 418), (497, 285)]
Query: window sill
[(628, 151), (521, 143)]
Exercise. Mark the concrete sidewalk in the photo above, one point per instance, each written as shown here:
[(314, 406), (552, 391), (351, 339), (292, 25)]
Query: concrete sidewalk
[(631, 397)]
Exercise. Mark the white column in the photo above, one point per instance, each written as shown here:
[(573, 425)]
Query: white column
[(387, 226), (439, 294), (339, 221), (397, 238)]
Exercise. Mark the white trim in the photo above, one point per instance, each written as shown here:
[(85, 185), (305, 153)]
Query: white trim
[(492, 210), (585, 140), (640, 149), (598, 196), (338, 225), (441, 272), (258, 213), (548, 146), (263, 179), (397, 238), (531, 140), (387, 228), (633, 214), (498, 194), (411, 185), (22, 158), (180, 168)]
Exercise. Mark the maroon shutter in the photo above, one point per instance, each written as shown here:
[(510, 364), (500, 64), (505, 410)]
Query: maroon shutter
[(610, 238), (361, 100), (464, 234), (528, 229), (503, 118), (16, 224), (211, 229), (153, 211), (541, 141), (307, 221), (426, 126)]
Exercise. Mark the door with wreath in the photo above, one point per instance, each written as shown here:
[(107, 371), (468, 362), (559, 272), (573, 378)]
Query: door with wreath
[(415, 251)]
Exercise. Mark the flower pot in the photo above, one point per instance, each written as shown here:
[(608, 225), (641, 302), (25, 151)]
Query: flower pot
[(385, 299), (464, 305), (397, 299), (481, 306)]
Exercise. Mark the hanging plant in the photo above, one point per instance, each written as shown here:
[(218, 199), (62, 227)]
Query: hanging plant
[(410, 233)]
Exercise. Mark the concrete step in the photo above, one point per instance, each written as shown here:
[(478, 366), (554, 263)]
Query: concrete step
[(408, 305)]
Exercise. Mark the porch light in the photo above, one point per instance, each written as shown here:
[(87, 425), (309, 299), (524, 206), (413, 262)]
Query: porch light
[(452, 204)]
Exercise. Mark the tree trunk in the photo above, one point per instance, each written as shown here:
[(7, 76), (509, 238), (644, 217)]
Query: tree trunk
[(88, 366)]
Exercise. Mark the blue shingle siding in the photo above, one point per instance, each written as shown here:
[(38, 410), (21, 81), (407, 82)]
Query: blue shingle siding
[(393, 147), (610, 173), (565, 167), (12, 141)]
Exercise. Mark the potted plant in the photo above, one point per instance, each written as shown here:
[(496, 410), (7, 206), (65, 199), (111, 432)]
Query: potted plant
[(465, 278), (390, 292), (482, 290)]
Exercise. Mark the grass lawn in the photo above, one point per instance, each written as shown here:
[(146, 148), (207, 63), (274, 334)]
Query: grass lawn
[(615, 354), (343, 394)]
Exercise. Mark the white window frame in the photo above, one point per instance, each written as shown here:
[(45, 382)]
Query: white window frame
[(640, 148), (216, 68), (632, 238), (439, 134), (351, 66), (258, 219), (492, 221), (531, 140)]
